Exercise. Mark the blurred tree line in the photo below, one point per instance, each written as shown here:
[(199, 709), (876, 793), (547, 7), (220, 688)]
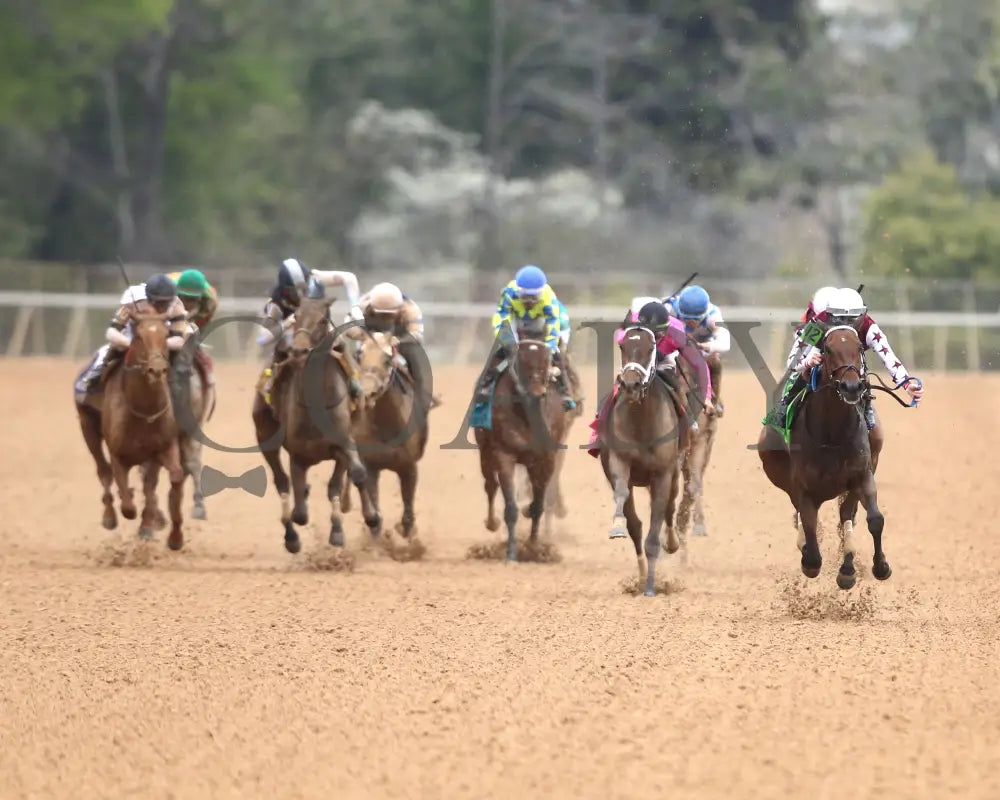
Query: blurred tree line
[(217, 131)]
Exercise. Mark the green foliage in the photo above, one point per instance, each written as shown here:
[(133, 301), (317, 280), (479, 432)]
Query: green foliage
[(920, 222)]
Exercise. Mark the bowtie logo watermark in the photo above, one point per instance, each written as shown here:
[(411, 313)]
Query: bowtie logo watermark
[(252, 481)]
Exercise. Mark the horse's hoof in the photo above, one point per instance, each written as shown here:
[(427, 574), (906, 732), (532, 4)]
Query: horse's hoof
[(811, 572), (160, 521), (109, 521), (492, 524), (300, 517), (336, 538), (846, 582), (358, 475), (198, 512), (175, 542), (671, 549), (882, 571), (526, 512), (129, 513), (374, 524), (649, 593), (292, 543), (146, 532), (699, 529)]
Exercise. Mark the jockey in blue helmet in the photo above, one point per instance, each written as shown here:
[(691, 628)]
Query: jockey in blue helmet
[(705, 325), (528, 306)]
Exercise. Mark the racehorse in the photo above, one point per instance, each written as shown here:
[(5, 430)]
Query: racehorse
[(136, 422), (310, 417), (389, 435), (829, 454), (528, 425), (694, 461), (640, 445)]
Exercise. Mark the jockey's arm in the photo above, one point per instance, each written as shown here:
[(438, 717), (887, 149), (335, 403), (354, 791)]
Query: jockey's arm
[(209, 304), (720, 341), (504, 309), (115, 333), (876, 339), (411, 320), (676, 340), (551, 313), (273, 323), (178, 329), (331, 278)]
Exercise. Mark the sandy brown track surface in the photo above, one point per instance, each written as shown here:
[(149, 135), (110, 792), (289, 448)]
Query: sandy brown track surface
[(233, 669)]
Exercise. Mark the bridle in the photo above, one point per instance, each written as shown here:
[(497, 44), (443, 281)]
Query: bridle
[(391, 376), (646, 371), (515, 373), (835, 380), (147, 365)]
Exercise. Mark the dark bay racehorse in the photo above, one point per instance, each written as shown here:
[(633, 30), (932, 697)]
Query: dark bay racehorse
[(309, 389), (528, 425), (136, 422), (830, 454), (389, 433), (639, 446)]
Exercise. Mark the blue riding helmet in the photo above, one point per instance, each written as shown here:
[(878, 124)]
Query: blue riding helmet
[(692, 303), (530, 281)]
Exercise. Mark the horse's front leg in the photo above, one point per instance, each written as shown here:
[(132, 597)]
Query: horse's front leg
[(505, 473), (373, 521), (812, 559), (847, 576), (408, 490), (191, 453), (487, 465), (540, 473), (876, 522), (661, 491), (150, 510), (300, 509), (620, 471), (334, 490), (120, 471), (171, 461)]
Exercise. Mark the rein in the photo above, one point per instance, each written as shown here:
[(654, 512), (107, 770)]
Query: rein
[(645, 370)]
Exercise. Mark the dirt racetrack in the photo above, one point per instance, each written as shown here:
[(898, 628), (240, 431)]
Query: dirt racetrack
[(233, 669)]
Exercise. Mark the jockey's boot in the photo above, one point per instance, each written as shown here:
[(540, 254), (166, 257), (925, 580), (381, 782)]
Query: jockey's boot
[(488, 377), (562, 382), (793, 386)]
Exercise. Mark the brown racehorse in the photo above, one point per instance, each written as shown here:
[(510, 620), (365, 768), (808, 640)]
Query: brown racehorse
[(310, 388), (831, 454), (389, 435), (137, 424), (639, 446), (697, 451), (528, 425)]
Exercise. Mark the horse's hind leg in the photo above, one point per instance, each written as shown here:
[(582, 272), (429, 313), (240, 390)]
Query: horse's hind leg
[(333, 492), (876, 522), (847, 577), (90, 424), (687, 498)]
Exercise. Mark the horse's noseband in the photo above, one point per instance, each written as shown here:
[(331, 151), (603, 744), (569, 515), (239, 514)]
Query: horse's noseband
[(645, 370)]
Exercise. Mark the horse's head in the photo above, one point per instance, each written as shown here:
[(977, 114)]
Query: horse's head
[(375, 361), (638, 348), (843, 366), (312, 323), (532, 366), (148, 351)]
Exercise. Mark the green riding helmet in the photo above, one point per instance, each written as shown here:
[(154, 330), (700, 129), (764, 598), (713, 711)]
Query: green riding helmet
[(192, 283)]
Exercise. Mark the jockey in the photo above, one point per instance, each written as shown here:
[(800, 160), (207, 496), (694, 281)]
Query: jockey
[(201, 301), (385, 308), (846, 307), (671, 339), (528, 300), (817, 305), (705, 325), (158, 295), (294, 281)]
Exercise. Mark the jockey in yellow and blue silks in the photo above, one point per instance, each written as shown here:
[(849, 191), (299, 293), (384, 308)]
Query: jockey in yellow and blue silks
[(528, 305)]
